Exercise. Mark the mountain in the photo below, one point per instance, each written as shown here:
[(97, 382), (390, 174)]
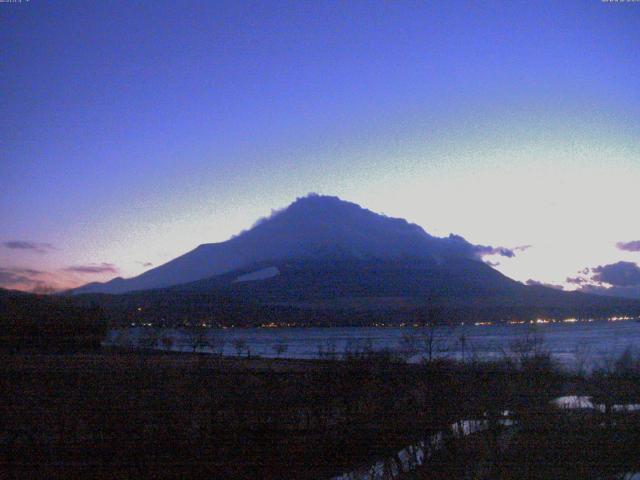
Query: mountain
[(312, 227), (326, 261), (359, 292), (461, 287), (4, 293)]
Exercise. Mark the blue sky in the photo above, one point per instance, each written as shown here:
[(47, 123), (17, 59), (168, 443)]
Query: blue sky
[(134, 131)]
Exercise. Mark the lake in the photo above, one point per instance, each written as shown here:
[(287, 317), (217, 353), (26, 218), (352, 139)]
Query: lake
[(587, 344)]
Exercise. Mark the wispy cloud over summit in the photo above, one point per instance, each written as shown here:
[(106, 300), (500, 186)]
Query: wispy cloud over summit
[(484, 250)]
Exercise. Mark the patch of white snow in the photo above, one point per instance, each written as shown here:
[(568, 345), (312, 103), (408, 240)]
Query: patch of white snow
[(261, 274)]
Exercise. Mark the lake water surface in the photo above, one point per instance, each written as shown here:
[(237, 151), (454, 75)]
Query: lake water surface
[(589, 344)]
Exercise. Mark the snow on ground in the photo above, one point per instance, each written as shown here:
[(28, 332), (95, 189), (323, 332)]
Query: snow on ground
[(573, 402), (413, 456)]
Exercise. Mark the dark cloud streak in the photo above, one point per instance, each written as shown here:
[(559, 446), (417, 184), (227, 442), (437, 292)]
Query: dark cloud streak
[(486, 250), (10, 277), (24, 276), (483, 250), (32, 246), (620, 279), (633, 246), (620, 274), (93, 268)]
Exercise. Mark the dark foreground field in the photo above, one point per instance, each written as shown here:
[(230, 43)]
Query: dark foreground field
[(118, 415), (154, 415), (556, 445)]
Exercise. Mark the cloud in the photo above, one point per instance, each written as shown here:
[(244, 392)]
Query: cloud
[(532, 282), (18, 272), (620, 279), (36, 281), (487, 250), (457, 246), (93, 268), (37, 247), (620, 274), (483, 250), (145, 264), (10, 276), (633, 246), (25, 279), (577, 280)]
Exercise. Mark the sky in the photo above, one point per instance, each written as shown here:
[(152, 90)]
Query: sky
[(135, 131)]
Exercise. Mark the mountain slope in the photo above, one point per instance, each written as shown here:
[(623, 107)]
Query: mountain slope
[(350, 291), (401, 283)]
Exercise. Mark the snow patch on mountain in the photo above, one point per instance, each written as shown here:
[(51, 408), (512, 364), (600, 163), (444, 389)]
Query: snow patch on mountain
[(261, 274)]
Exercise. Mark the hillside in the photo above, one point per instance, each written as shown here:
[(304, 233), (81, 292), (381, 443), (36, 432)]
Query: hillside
[(326, 261), (312, 227)]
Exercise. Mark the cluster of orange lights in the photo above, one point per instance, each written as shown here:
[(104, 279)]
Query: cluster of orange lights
[(537, 321), (541, 321)]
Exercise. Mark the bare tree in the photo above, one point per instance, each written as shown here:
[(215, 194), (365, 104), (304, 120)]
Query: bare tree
[(123, 338), (148, 338), (616, 380), (432, 341), (427, 340), (197, 337), (409, 344), (528, 347), (357, 348), (327, 349), (167, 342), (280, 347), (240, 344), (216, 344), (582, 354), (462, 340)]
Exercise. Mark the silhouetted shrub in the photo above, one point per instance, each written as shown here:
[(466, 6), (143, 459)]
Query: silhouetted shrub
[(49, 324)]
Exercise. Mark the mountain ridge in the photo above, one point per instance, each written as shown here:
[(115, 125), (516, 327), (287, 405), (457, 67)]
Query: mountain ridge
[(322, 257), (312, 226)]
